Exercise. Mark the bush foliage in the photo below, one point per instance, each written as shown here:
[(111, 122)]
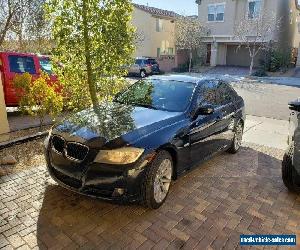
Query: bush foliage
[(38, 97)]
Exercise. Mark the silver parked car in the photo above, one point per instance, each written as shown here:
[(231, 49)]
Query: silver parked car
[(144, 66)]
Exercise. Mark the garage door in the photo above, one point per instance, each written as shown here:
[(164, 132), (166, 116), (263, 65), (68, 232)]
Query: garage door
[(240, 57)]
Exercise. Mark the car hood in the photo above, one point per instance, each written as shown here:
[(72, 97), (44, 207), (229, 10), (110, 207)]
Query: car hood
[(113, 121)]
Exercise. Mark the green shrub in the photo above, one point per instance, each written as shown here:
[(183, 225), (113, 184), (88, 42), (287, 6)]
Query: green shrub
[(38, 97), (280, 60), (261, 72), (182, 68)]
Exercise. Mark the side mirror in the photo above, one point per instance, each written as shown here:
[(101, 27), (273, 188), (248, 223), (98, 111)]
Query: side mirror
[(294, 108), (295, 105), (204, 110)]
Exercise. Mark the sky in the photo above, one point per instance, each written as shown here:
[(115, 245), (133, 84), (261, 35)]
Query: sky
[(184, 7)]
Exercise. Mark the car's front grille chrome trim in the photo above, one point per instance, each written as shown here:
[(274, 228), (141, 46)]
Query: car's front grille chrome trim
[(73, 151), (78, 145), (54, 145)]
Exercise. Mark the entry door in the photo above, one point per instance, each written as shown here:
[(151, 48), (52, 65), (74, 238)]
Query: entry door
[(208, 53)]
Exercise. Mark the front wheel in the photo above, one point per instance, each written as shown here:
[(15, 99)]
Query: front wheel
[(237, 139), (157, 180)]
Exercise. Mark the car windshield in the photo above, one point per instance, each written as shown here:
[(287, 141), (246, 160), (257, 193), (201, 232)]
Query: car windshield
[(173, 96), (151, 61), (46, 65)]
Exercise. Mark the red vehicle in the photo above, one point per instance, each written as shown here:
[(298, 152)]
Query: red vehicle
[(12, 63)]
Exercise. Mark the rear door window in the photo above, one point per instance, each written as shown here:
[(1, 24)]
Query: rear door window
[(207, 94), (21, 64), (46, 65), (224, 94)]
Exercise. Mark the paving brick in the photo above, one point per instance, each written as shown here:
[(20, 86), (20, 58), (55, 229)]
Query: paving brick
[(16, 240), (206, 209)]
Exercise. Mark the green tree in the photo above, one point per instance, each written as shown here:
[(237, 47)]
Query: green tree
[(94, 40), (189, 34), (38, 97)]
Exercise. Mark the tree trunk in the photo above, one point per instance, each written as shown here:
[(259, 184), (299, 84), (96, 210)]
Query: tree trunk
[(5, 29), (190, 61), (251, 66), (86, 38), (41, 123)]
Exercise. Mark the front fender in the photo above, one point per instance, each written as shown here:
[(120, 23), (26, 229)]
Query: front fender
[(173, 138)]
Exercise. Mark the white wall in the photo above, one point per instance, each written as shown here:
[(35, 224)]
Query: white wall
[(4, 127)]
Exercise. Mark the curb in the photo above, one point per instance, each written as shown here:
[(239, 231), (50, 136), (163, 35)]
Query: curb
[(24, 139)]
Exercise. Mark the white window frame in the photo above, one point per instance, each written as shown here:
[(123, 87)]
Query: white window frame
[(215, 13), (248, 10)]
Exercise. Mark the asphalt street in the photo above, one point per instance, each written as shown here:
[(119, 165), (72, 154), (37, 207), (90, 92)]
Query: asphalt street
[(261, 99), (267, 100)]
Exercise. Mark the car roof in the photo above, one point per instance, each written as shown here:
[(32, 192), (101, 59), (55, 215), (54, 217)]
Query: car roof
[(184, 78)]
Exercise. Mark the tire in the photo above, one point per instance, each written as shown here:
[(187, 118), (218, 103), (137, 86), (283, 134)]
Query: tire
[(143, 73), (237, 139), (289, 175), (152, 185)]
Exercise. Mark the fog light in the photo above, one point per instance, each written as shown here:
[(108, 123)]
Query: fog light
[(118, 192)]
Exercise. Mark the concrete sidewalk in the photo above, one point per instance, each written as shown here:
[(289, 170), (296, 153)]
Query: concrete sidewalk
[(287, 81), (266, 132)]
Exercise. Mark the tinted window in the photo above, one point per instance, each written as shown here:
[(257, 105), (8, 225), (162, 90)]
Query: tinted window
[(215, 93), (159, 94), (151, 61), (46, 65), (223, 94), (207, 94), (21, 64), (138, 61)]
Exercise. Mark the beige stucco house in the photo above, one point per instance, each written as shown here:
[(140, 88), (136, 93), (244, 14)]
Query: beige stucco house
[(297, 31), (222, 17), (155, 28)]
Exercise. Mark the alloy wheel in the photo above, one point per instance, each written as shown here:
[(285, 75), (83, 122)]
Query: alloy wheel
[(143, 74), (162, 180), (238, 136)]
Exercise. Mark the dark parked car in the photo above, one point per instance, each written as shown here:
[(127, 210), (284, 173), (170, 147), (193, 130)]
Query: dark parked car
[(291, 159), (157, 129)]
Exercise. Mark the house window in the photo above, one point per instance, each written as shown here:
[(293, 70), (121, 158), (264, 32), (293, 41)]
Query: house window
[(158, 52), (170, 51), (159, 25), (216, 12), (254, 8)]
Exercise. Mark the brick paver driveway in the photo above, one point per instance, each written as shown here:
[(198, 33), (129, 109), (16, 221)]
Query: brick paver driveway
[(209, 207)]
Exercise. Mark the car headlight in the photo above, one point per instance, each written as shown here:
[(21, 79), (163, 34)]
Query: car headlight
[(120, 156)]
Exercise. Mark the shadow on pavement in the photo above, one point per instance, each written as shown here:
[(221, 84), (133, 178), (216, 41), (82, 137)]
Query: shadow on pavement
[(210, 206)]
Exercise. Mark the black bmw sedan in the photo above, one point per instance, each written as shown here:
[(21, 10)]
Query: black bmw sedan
[(154, 131)]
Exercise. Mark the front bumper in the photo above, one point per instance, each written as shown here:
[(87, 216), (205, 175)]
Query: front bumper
[(98, 180)]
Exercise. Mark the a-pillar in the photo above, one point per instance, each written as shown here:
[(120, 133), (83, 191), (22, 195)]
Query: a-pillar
[(4, 127)]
